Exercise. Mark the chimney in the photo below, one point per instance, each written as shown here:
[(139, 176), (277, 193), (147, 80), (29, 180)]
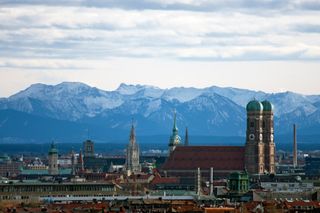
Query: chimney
[(211, 181), (295, 160), (186, 140), (199, 182)]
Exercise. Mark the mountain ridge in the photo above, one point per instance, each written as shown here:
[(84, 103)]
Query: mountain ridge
[(217, 111)]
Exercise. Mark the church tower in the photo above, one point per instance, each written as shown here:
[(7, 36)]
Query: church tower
[(73, 162), (254, 148), (88, 147), (132, 158), (53, 160), (268, 136), (175, 139)]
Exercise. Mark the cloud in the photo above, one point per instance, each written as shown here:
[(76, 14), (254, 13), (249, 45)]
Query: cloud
[(131, 41), (97, 33), (191, 5), (44, 63), (307, 28)]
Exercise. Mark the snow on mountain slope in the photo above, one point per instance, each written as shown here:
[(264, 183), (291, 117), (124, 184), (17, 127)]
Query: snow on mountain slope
[(288, 102), (239, 96), (213, 110), (65, 101), (182, 94)]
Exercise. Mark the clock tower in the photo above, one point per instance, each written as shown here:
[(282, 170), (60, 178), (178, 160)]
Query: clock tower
[(254, 148)]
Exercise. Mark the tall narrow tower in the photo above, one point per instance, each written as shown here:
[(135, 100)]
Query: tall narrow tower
[(295, 157), (186, 139), (254, 148), (88, 147), (268, 137), (132, 158), (175, 139), (73, 162), (53, 160), (80, 162)]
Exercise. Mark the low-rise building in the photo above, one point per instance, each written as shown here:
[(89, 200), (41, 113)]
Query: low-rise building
[(312, 167), (37, 191)]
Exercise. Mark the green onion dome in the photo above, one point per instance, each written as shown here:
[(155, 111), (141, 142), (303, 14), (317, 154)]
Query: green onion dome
[(267, 106), (53, 149), (254, 105)]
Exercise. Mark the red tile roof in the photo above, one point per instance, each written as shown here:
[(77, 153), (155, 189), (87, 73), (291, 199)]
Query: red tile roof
[(218, 157), (295, 203), (165, 180)]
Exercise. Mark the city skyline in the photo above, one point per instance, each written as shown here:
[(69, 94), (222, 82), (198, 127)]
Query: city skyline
[(159, 105)]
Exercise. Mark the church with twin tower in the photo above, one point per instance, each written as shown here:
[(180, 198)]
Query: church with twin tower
[(257, 156), (260, 147)]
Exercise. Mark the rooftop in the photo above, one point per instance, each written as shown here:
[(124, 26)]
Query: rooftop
[(205, 157)]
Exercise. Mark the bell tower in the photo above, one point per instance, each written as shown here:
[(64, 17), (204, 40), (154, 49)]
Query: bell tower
[(175, 139), (254, 148), (268, 137), (132, 159), (53, 160)]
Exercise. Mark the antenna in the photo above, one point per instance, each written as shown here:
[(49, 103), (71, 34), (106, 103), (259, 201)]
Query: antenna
[(87, 130), (294, 155)]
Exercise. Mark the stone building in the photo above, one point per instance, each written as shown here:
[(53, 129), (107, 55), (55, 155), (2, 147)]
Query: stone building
[(88, 148), (132, 157), (260, 147), (256, 157), (53, 168)]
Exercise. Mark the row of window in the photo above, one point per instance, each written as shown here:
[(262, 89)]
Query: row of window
[(53, 188)]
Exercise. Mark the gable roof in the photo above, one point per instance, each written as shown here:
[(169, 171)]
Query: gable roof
[(218, 157)]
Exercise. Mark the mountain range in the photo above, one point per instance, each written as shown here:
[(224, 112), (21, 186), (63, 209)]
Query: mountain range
[(72, 111)]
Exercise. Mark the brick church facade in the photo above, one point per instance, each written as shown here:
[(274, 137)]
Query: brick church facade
[(256, 157)]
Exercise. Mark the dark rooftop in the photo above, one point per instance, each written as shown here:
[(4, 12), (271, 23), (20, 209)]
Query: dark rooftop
[(218, 157)]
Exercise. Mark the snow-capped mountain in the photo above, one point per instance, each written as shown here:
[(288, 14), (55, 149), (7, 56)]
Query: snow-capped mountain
[(207, 111), (65, 101)]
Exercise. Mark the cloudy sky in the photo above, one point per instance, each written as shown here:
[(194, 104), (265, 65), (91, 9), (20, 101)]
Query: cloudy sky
[(270, 45)]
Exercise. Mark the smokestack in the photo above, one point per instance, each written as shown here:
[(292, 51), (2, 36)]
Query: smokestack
[(211, 181), (186, 139), (295, 160), (198, 182)]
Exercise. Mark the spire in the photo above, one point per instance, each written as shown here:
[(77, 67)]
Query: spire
[(175, 128), (53, 146), (132, 133), (73, 170), (174, 138), (186, 139), (132, 157), (53, 149), (81, 161)]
